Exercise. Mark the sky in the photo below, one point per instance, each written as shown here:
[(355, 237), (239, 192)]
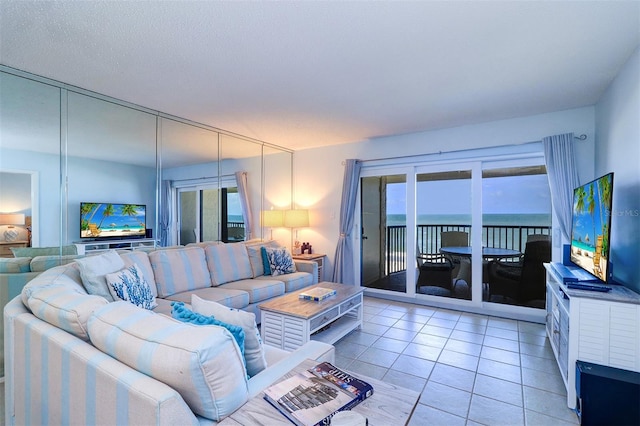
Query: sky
[(505, 195)]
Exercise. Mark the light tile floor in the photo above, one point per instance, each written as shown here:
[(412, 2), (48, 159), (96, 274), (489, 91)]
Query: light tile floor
[(470, 369)]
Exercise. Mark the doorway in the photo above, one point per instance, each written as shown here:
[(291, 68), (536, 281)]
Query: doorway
[(19, 195), (383, 218)]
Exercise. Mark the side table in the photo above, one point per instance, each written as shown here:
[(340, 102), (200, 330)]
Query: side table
[(318, 258), (5, 247)]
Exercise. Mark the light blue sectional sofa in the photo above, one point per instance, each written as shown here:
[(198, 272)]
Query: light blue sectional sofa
[(77, 358)]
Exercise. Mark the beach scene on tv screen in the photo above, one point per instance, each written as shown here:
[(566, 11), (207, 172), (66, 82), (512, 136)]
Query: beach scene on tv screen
[(590, 229), (112, 220)]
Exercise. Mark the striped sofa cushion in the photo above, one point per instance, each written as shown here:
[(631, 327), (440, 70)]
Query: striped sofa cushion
[(42, 263), (141, 259), (179, 270), (15, 265), (294, 281), (258, 289), (58, 297), (228, 262), (207, 368)]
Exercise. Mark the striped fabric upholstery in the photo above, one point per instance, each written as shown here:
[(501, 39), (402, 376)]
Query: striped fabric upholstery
[(204, 244), (228, 297), (258, 290), (179, 270), (207, 367), (141, 259), (294, 281), (228, 262), (42, 263), (14, 265), (55, 378), (58, 297)]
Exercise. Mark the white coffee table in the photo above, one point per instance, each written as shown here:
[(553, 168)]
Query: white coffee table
[(288, 322), (389, 405)]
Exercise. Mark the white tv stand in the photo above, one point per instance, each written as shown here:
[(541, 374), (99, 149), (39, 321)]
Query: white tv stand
[(598, 327), (86, 247)]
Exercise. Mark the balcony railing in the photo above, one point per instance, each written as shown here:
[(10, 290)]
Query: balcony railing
[(428, 236)]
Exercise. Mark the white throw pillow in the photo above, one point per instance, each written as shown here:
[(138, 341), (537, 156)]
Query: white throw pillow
[(253, 348), (129, 284), (280, 261), (93, 270)]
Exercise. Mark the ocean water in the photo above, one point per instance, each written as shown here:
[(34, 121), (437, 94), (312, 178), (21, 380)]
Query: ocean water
[(463, 219)]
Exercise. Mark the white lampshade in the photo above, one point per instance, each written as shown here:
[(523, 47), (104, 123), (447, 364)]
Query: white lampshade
[(272, 218), (12, 219), (296, 218)]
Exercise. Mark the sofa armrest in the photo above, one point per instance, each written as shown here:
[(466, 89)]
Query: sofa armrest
[(95, 377), (311, 350), (307, 266)]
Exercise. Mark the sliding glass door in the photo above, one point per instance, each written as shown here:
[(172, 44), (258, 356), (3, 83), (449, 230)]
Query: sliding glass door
[(206, 213), (516, 216), (451, 231), (443, 237)]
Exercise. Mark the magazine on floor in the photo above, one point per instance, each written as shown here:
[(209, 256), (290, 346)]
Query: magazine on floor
[(315, 395)]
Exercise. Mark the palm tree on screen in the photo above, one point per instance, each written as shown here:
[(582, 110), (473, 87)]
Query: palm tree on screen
[(108, 211), (85, 209), (131, 210)]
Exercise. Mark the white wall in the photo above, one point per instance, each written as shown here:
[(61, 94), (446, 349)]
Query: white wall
[(618, 150), (319, 172)]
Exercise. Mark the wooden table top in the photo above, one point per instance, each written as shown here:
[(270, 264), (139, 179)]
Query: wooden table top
[(290, 304)]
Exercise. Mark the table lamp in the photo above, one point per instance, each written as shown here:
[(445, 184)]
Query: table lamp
[(296, 219), (272, 219), (12, 219)]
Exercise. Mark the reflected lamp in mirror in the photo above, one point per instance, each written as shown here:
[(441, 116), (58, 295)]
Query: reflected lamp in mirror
[(272, 219), (296, 219), (12, 219)]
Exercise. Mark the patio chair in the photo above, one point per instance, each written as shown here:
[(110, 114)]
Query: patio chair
[(461, 264), (435, 274), (521, 283)]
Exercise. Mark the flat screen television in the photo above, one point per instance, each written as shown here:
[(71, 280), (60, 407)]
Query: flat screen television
[(111, 220), (591, 225)]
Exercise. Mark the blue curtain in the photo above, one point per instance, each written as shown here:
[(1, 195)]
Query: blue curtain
[(243, 192), (563, 177), (343, 260), (166, 203)]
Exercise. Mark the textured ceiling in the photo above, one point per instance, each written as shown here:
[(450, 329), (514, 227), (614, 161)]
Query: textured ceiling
[(305, 74)]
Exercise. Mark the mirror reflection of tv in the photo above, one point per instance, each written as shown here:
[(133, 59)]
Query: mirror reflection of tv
[(591, 226), (110, 220)]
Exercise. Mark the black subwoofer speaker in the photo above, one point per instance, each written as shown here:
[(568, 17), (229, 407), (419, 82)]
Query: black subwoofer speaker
[(607, 395)]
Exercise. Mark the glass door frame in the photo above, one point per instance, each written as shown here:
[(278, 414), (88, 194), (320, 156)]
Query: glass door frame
[(225, 181), (476, 161), (476, 224)]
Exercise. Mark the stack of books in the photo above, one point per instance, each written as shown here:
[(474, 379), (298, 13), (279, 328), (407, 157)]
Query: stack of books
[(317, 294), (314, 396)]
